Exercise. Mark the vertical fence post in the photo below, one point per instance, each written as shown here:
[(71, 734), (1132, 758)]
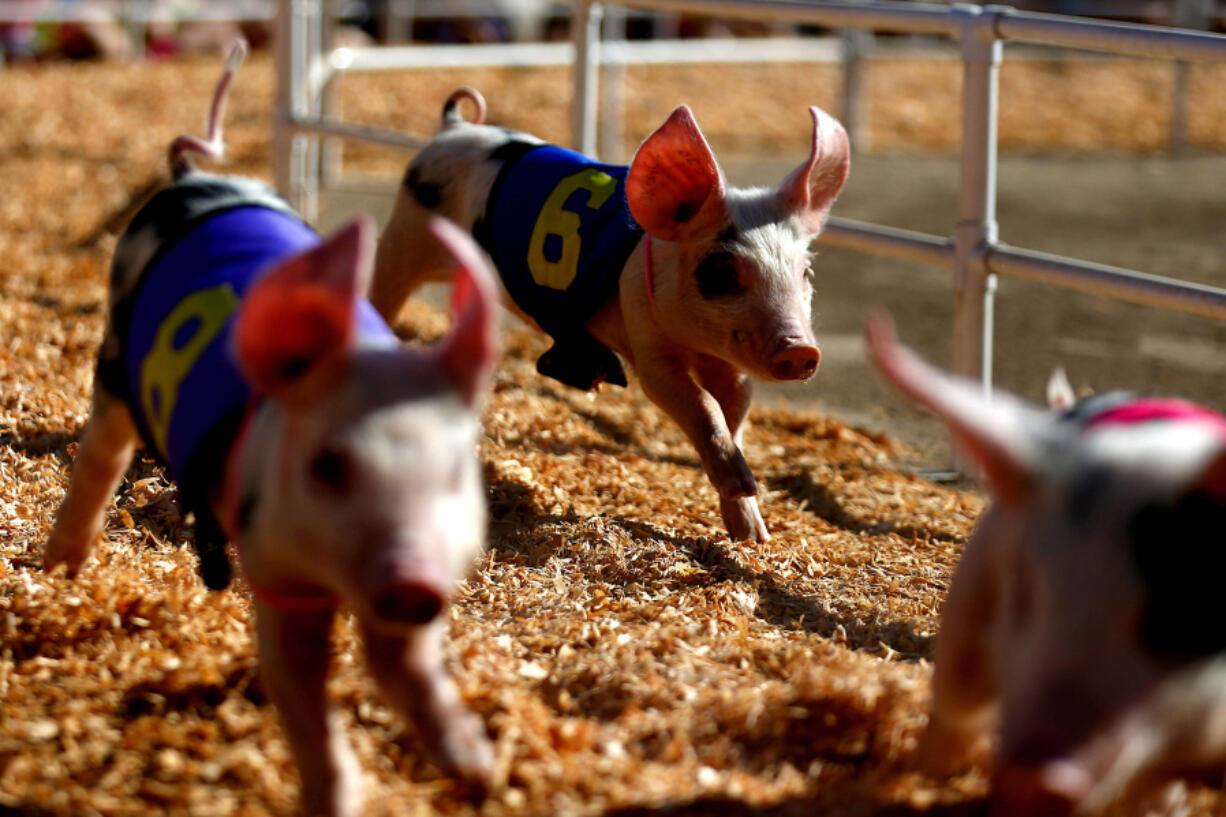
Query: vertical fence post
[(976, 229), (331, 155), (307, 144), (1192, 14), (282, 134), (295, 155), (585, 33), (613, 89), (857, 43), (136, 15)]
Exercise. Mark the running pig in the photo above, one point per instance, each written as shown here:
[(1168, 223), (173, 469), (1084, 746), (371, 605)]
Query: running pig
[(240, 350), (697, 284), (1083, 622)]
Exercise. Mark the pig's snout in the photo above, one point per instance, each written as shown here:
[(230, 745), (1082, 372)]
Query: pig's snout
[(795, 359), (409, 602), (1051, 789)]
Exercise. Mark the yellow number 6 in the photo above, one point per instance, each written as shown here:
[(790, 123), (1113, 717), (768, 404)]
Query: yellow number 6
[(554, 220)]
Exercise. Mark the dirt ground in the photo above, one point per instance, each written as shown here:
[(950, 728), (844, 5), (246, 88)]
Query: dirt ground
[(626, 657), (1156, 214)]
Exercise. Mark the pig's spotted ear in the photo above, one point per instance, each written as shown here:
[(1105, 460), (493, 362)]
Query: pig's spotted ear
[(468, 354), (303, 311), (810, 190), (996, 436), (675, 188)]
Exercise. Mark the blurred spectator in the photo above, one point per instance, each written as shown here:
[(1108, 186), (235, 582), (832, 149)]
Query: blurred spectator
[(93, 29)]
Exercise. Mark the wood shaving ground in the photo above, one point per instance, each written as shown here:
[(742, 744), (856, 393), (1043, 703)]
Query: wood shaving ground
[(626, 657)]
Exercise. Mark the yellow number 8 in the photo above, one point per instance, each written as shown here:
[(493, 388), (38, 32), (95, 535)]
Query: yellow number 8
[(554, 220), (171, 357)]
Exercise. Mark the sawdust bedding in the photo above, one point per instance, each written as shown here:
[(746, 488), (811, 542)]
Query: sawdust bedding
[(626, 657)]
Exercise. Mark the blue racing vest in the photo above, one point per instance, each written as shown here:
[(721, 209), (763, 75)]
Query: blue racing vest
[(181, 375), (200, 244), (559, 231)]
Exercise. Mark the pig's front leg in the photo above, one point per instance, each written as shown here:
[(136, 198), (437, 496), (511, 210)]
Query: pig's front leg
[(409, 670), (104, 454), (963, 676), (733, 390), (293, 650), (669, 385)]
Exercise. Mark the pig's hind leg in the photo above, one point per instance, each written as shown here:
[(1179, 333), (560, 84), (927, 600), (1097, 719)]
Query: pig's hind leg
[(439, 182), (104, 454), (410, 672), (733, 390), (408, 255), (294, 650)]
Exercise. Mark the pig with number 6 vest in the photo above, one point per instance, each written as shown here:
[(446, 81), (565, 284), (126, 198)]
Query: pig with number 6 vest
[(342, 465), (1083, 625), (697, 284)]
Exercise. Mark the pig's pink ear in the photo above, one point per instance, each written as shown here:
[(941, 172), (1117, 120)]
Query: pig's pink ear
[(468, 354), (810, 190), (994, 435), (303, 311), (675, 188)]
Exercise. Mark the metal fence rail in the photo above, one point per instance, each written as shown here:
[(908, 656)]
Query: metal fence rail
[(973, 253)]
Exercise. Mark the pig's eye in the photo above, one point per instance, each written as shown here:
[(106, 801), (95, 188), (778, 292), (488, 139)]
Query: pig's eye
[(717, 276), (332, 471)]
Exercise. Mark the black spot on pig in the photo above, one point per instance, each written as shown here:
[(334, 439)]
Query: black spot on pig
[(428, 194), (510, 150), (1179, 549), (1087, 408), (1085, 492)]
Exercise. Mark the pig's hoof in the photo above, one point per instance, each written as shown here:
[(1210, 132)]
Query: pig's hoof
[(342, 801), (467, 752), (335, 792), (944, 752), (61, 551), (743, 519)]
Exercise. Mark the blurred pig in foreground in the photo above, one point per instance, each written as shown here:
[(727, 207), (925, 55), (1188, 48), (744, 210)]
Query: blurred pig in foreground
[(1084, 620), (697, 284), (240, 350)]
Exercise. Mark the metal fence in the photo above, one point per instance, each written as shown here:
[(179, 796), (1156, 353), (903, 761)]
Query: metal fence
[(974, 253)]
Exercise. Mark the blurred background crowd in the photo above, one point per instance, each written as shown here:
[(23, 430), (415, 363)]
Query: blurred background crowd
[(156, 29)]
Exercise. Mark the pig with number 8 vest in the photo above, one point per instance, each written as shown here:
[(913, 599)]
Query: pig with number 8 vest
[(1083, 625), (342, 465), (697, 284)]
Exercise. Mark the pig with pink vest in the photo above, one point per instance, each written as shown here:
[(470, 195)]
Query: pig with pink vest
[(697, 284), (1083, 625), (240, 350)]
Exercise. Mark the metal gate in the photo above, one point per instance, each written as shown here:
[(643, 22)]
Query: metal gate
[(974, 253)]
